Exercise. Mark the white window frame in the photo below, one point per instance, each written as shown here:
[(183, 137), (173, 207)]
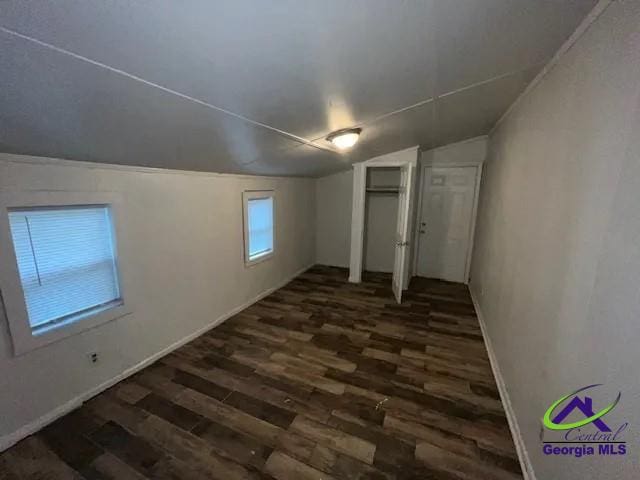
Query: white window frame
[(252, 195), (11, 287)]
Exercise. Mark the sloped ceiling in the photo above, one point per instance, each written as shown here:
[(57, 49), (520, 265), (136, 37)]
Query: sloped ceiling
[(254, 86)]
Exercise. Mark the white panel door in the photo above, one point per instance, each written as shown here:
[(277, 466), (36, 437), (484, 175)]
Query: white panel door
[(401, 260), (445, 223)]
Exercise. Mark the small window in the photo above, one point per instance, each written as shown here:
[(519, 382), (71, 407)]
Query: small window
[(66, 262), (259, 222)]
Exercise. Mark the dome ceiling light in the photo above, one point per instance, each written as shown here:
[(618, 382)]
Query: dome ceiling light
[(345, 139)]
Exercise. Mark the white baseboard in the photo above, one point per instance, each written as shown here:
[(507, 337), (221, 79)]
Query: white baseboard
[(521, 449), (11, 439)]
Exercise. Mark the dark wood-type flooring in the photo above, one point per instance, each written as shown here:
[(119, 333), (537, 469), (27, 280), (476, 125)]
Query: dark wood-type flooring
[(322, 379)]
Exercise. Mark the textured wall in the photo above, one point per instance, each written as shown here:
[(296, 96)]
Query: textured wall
[(333, 219), (334, 195), (556, 266), (185, 235)]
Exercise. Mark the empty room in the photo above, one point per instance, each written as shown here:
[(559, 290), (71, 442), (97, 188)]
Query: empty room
[(319, 239)]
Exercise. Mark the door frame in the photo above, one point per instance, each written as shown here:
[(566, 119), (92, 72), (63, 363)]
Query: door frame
[(424, 164), (408, 156)]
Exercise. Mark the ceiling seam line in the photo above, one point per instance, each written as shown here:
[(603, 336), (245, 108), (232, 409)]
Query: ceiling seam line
[(488, 80), (436, 97), (395, 112), (136, 78)]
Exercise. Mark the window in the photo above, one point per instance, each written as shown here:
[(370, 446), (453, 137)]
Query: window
[(259, 222), (66, 261), (63, 269)]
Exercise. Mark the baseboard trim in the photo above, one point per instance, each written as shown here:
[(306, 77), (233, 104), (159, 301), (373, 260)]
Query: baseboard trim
[(7, 441), (521, 449)]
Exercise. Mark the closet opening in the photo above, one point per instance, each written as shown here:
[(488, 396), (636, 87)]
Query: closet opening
[(381, 217), (379, 184)]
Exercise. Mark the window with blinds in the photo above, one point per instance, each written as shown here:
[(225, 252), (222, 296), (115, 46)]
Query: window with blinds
[(260, 226), (67, 262)]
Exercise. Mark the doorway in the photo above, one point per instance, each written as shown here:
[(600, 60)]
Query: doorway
[(445, 223), (404, 163)]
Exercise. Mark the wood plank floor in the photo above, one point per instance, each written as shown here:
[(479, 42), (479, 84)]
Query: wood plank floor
[(321, 380)]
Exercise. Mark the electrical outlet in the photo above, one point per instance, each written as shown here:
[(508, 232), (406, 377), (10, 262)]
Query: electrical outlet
[(93, 357)]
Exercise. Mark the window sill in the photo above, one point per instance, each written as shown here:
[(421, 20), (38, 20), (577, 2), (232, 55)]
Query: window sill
[(25, 342), (72, 319), (259, 258)]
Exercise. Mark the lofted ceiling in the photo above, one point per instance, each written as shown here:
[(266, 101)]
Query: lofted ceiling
[(254, 86)]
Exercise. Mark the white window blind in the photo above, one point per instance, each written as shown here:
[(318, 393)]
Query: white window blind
[(260, 222), (66, 260)]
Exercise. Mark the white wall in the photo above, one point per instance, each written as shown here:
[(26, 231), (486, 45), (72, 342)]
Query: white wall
[(472, 151), (334, 195), (185, 233), (380, 232), (556, 268), (333, 219)]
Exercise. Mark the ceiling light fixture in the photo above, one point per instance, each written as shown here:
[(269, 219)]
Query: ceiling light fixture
[(344, 139)]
